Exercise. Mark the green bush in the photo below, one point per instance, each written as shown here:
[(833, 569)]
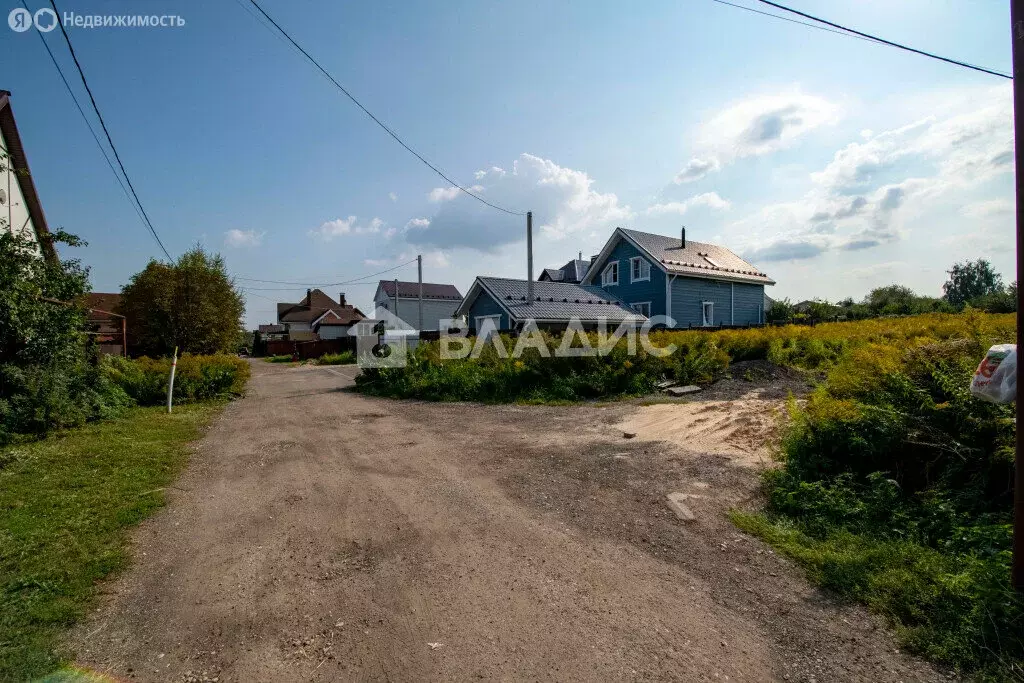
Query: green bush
[(343, 358), (197, 378), (698, 357), (497, 378), (896, 490), (279, 359), (48, 373)]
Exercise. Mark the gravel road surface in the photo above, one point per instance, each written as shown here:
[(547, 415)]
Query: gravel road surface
[(321, 535)]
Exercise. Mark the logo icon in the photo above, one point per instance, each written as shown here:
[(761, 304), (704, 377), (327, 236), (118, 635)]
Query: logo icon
[(46, 19), (383, 341), (20, 19)]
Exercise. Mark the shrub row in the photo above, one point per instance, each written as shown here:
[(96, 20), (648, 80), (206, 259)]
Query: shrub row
[(197, 378), (896, 490), (699, 356)]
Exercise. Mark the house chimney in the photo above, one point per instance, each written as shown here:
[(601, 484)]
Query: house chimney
[(683, 238), (580, 257), (309, 297), (593, 258), (341, 299)]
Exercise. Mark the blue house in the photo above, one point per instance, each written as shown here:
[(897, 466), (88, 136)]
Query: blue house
[(696, 284), (502, 303)]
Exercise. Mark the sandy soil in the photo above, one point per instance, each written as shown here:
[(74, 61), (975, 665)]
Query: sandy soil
[(742, 431), (321, 535)]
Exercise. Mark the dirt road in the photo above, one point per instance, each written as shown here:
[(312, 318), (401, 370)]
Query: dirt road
[(322, 535)]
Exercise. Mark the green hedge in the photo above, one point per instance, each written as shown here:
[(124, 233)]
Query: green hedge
[(492, 378), (897, 491), (698, 357), (197, 378)]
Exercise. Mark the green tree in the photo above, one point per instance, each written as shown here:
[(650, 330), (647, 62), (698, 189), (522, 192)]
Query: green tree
[(892, 300), (781, 309), (971, 280), (48, 377), (192, 304)]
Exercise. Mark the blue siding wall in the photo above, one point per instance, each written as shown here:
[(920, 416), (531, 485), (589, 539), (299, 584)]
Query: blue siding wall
[(749, 304), (652, 290), (689, 294), (485, 305)]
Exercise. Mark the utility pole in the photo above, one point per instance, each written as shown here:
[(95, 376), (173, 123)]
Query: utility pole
[(396, 297), (1017, 39), (529, 258), (419, 270)]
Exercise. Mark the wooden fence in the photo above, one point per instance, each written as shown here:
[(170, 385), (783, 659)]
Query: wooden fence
[(310, 349)]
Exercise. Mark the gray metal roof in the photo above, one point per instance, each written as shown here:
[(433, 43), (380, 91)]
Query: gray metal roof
[(557, 301), (573, 271), (411, 290), (698, 259)]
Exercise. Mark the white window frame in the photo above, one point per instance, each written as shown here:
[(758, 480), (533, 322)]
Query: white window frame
[(497, 325), (606, 281), (705, 308), (643, 262), (642, 303)]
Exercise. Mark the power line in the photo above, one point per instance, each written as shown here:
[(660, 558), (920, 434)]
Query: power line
[(92, 131), (95, 107), (884, 41), (793, 21), (380, 123), (353, 281)]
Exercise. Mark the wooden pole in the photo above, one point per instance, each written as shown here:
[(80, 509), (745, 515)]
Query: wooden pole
[(396, 297), (1017, 39), (124, 336), (170, 382)]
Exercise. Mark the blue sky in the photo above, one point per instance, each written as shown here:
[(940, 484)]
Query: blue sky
[(834, 164)]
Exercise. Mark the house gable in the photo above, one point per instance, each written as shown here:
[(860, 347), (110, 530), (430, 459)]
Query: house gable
[(22, 206), (480, 302), (650, 288)]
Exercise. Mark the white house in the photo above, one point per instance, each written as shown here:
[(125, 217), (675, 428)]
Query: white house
[(21, 212), (439, 302)]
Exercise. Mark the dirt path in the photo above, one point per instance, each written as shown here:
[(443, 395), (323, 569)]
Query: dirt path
[(321, 535)]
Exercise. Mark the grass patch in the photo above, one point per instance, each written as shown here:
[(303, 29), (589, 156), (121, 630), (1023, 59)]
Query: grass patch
[(343, 358), (66, 503), (954, 608), (279, 359)]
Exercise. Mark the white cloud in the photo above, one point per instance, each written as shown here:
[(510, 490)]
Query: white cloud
[(443, 194), (710, 200), (243, 238), (989, 208), (867, 194), (340, 227), (754, 127), (393, 196), (562, 200), (434, 258), (417, 223), (696, 169)]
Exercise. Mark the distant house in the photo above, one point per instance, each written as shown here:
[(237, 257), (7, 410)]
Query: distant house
[(574, 271), (21, 212), (439, 302), (317, 314), (104, 322), (273, 332), (696, 284), (502, 301)]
